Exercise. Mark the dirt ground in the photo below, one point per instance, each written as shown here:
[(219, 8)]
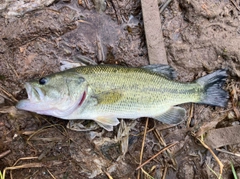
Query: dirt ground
[(35, 39)]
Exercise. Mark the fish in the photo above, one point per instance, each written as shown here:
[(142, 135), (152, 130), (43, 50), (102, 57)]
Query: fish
[(105, 93)]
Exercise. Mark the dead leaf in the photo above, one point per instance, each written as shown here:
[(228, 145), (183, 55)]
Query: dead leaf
[(224, 136)]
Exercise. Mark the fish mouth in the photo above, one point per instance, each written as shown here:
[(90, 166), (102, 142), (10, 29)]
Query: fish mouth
[(29, 90), (34, 93), (38, 102)]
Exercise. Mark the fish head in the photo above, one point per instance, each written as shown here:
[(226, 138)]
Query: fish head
[(57, 95)]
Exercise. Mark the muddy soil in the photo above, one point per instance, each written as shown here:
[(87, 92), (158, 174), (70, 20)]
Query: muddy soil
[(35, 39)]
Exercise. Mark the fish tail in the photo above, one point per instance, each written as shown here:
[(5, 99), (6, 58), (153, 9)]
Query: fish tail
[(213, 93)]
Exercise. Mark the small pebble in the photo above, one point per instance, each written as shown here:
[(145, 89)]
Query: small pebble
[(235, 123), (15, 136)]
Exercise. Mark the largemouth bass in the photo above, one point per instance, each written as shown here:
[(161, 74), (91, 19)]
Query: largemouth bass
[(104, 93)]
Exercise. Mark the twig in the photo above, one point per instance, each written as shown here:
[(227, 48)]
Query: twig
[(143, 142), (51, 174), (85, 22), (163, 7), (165, 126), (15, 72), (100, 52), (164, 172), (161, 141), (213, 154), (108, 175), (230, 153), (156, 155), (190, 117), (8, 94), (219, 177), (24, 158), (5, 153), (28, 165), (147, 174), (235, 5), (44, 128)]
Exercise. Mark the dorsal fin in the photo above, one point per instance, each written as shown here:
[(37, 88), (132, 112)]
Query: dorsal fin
[(165, 70)]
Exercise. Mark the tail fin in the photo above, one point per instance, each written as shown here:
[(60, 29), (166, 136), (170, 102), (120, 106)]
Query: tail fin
[(213, 92)]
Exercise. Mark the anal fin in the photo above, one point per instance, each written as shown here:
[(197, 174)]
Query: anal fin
[(107, 122), (174, 115)]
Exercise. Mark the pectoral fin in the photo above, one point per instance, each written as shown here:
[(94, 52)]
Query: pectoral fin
[(106, 127), (174, 115), (107, 122)]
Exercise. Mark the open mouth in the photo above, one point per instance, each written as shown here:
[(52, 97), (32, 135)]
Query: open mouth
[(29, 90), (33, 92), (39, 102)]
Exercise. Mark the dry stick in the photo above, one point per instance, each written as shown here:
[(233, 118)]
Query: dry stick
[(213, 154), (146, 173), (8, 94), (227, 152), (45, 128), (24, 158), (164, 127), (163, 7), (51, 174), (5, 97), (108, 175), (143, 142), (235, 5), (161, 141), (165, 172), (15, 72), (64, 132), (5, 153), (156, 155), (86, 22), (190, 116), (9, 65), (28, 165)]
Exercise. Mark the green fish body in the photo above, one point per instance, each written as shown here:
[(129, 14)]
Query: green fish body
[(104, 93)]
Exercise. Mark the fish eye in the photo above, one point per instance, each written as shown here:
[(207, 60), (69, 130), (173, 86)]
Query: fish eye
[(42, 81)]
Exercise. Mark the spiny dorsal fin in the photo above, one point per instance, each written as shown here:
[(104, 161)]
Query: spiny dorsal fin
[(165, 70)]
